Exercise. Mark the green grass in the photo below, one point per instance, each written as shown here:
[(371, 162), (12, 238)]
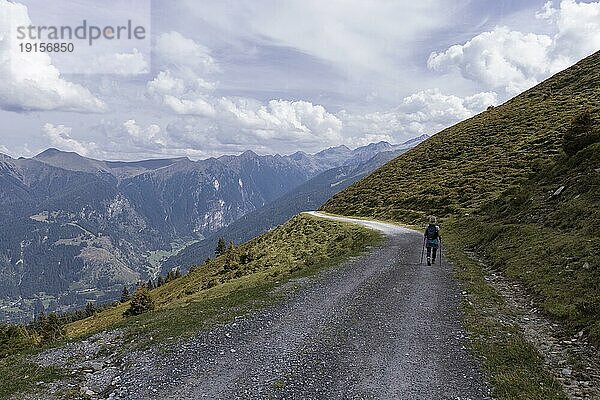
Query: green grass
[(515, 368), (491, 178), (461, 167), (549, 243), (222, 289), (18, 375)]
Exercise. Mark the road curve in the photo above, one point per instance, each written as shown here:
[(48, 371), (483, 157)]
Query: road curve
[(384, 227), (378, 326)]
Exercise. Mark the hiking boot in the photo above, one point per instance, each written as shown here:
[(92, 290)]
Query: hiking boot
[(433, 261), (428, 262)]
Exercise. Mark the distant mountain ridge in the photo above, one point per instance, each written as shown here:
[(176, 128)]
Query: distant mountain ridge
[(308, 196), (77, 228)]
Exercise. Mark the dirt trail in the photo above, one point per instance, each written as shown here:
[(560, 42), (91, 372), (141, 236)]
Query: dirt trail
[(380, 326)]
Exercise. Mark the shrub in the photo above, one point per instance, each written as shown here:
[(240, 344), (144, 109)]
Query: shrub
[(50, 327), (140, 302), (125, 295), (14, 338)]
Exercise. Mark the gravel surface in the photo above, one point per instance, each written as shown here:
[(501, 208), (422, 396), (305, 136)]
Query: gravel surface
[(379, 326)]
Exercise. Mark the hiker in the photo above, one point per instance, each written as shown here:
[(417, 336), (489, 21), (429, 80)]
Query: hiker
[(432, 239)]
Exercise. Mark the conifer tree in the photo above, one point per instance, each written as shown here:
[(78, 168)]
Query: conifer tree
[(221, 246), (141, 302), (90, 309), (125, 296)]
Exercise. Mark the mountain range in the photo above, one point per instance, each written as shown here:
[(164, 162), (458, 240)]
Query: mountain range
[(75, 229)]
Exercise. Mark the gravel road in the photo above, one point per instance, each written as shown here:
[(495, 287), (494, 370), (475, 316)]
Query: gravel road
[(379, 326)]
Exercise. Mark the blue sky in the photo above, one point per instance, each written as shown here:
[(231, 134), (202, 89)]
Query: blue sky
[(279, 76)]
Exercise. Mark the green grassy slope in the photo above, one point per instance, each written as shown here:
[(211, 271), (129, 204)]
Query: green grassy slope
[(496, 174), (495, 177), (238, 280), (549, 241), (475, 160)]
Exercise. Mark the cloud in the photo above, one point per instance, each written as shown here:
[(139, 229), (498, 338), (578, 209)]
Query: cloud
[(124, 63), (166, 83), (175, 50), (189, 107), (299, 121), (356, 36), (29, 80), (60, 136), (515, 61), (427, 111), (182, 85), (139, 135)]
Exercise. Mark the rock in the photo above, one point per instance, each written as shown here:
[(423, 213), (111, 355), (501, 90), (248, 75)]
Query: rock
[(558, 191), (566, 372), (87, 391)]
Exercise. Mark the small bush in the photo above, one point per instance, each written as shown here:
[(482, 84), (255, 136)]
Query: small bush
[(14, 338), (141, 302)]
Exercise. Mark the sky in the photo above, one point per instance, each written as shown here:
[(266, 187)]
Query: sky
[(216, 77)]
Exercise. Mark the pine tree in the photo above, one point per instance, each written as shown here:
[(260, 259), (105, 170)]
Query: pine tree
[(90, 309), (232, 258), (177, 273), (221, 246), (160, 281), (125, 296), (140, 302)]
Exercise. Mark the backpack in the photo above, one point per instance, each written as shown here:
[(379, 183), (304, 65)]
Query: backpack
[(432, 232)]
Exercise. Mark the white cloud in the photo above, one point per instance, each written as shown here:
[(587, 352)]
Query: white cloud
[(29, 80), (166, 83), (197, 106), (182, 85), (175, 50), (60, 136), (434, 106), (356, 36), (282, 119), (515, 61), (578, 30), (140, 135), (124, 63), (427, 111)]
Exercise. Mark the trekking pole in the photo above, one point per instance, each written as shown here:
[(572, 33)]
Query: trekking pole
[(440, 252), (423, 250)]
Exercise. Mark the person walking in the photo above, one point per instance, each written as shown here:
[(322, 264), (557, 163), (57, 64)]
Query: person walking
[(432, 239)]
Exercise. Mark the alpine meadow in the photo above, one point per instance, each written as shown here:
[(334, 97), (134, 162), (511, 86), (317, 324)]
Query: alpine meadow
[(300, 200)]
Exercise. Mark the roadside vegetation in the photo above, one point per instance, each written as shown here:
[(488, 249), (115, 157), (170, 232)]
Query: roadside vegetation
[(515, 368), (241, 274), (241, 279)]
